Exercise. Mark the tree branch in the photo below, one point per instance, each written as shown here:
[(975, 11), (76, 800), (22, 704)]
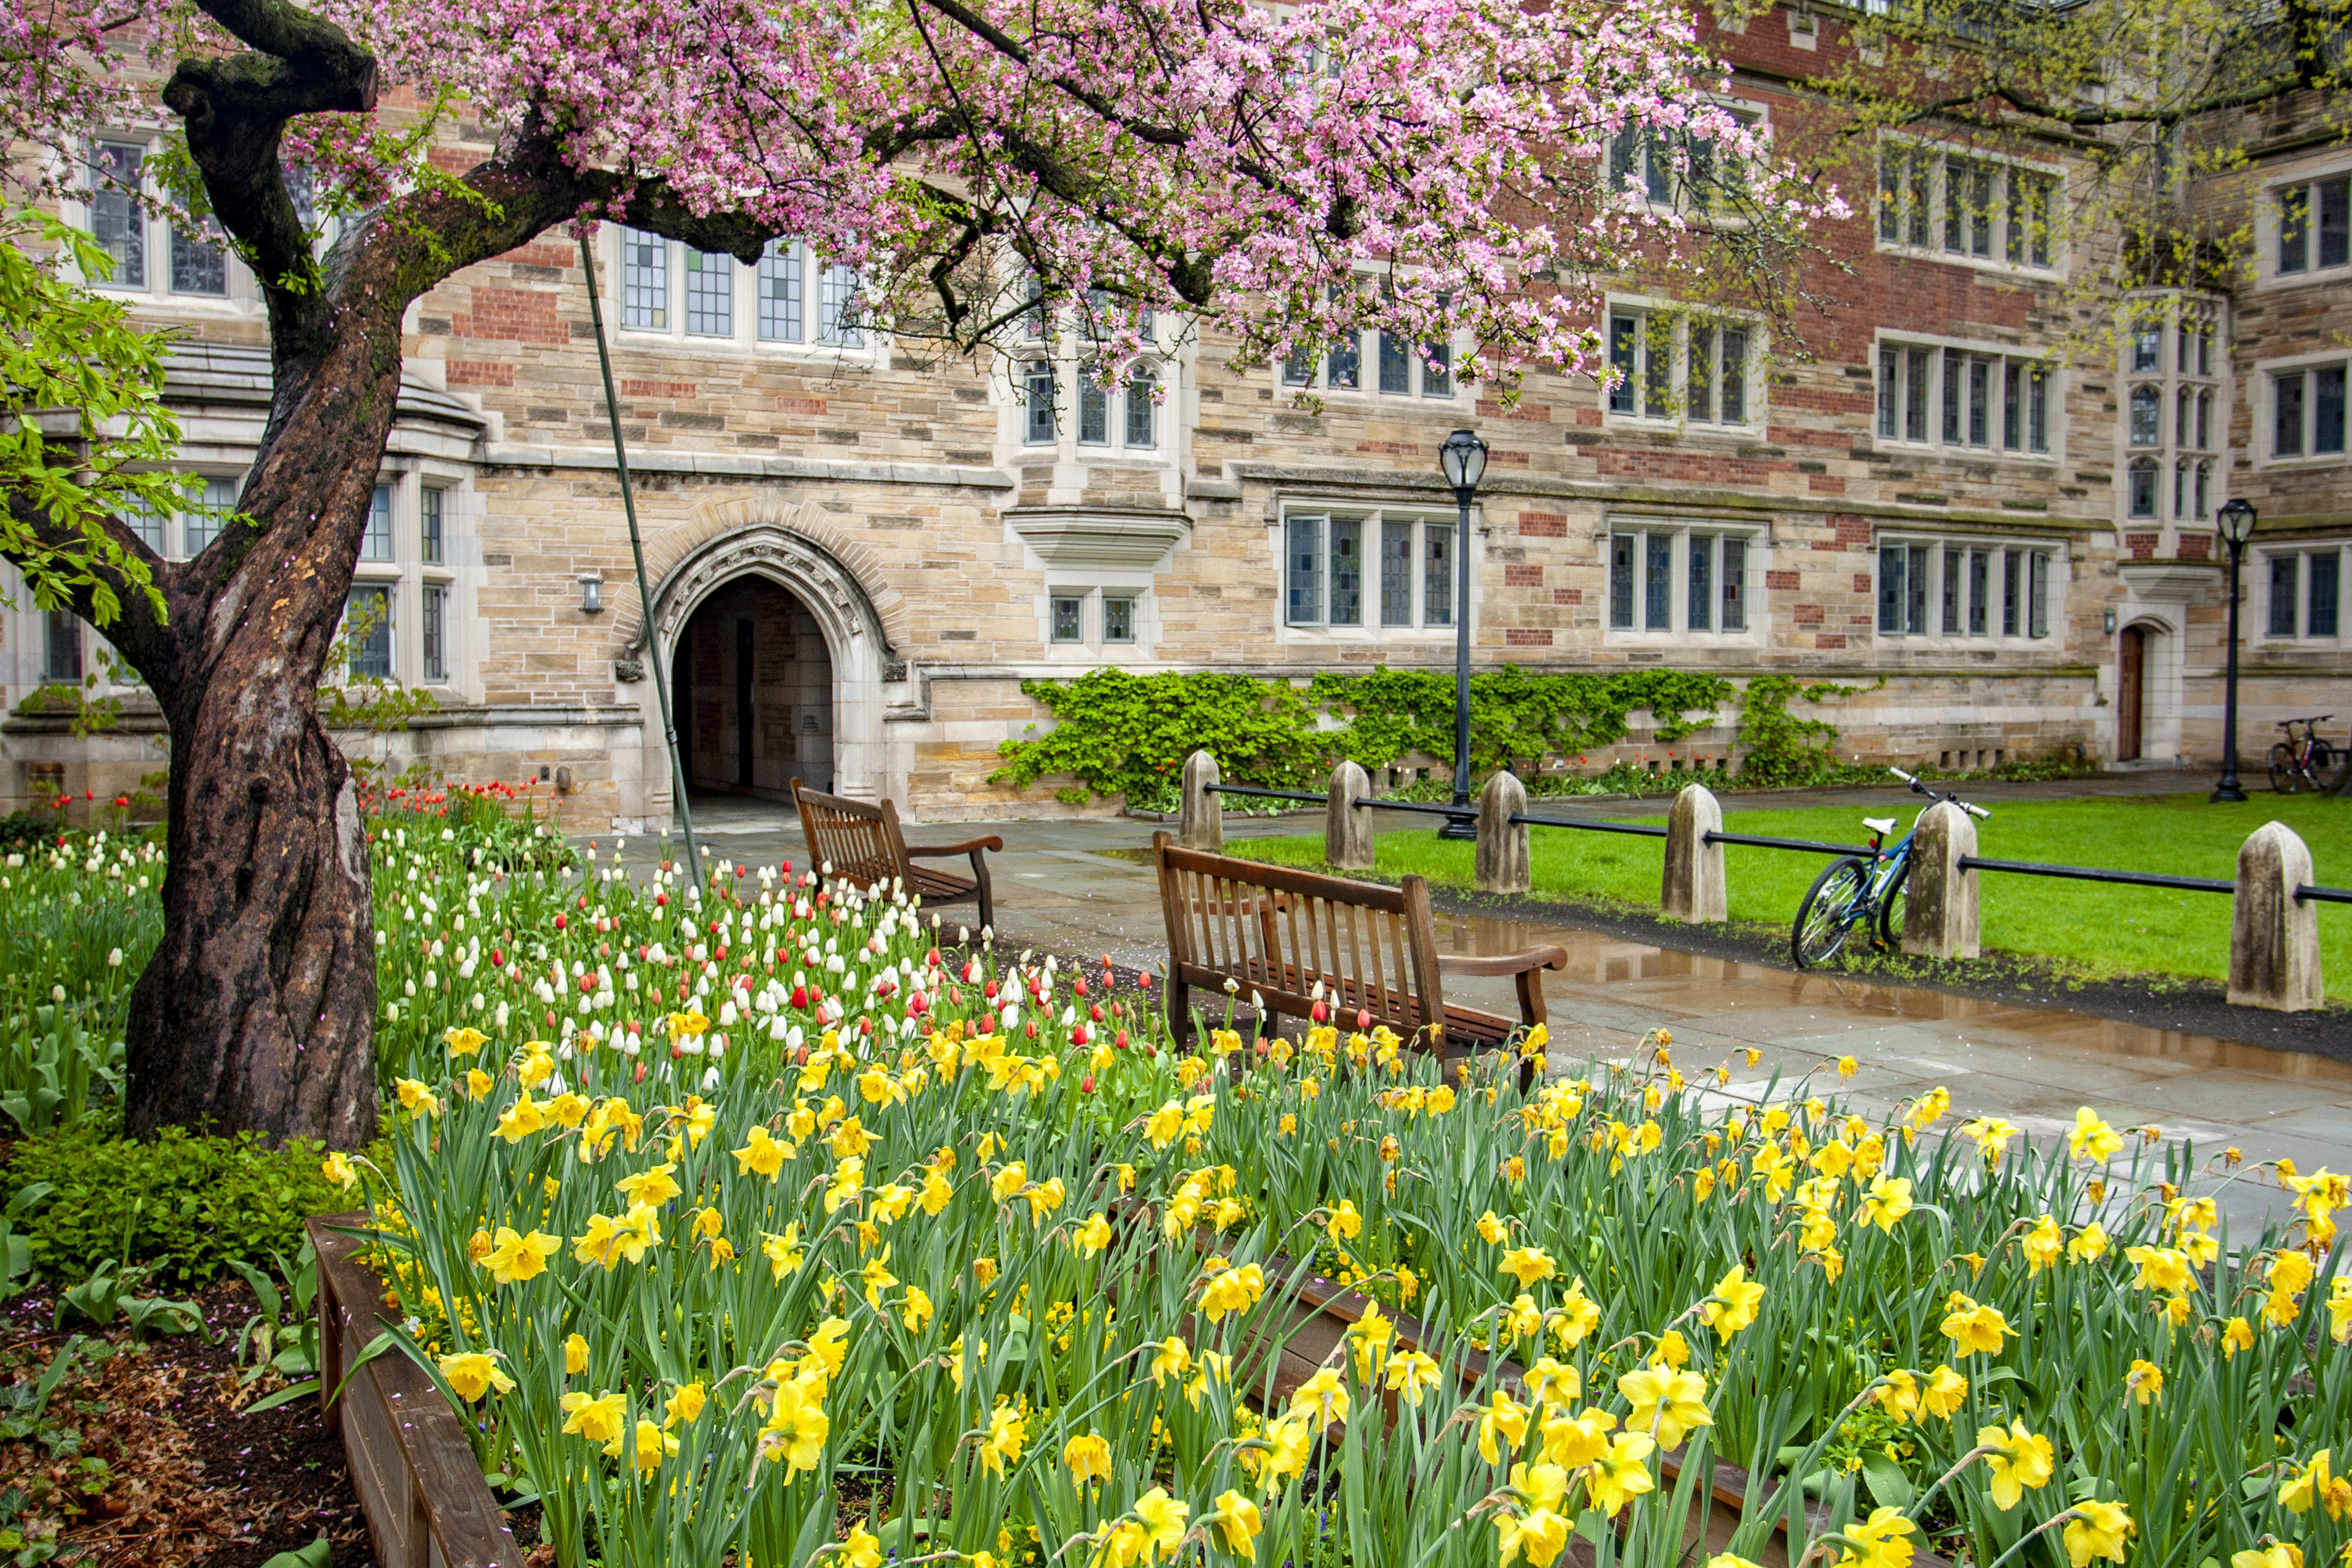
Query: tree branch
[(136, 632)]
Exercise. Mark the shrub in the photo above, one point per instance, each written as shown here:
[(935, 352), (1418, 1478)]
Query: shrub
[(183, 1203)]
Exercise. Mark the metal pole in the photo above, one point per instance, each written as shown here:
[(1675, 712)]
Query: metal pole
[(637, 550), (1461, 825), (2227, 790)]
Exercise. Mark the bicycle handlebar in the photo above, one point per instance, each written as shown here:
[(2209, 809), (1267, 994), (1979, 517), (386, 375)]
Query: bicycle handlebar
[(2316, 718), (1920, 789)]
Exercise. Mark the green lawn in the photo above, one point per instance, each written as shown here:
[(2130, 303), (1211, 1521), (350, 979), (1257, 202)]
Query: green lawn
[(2103, 928)]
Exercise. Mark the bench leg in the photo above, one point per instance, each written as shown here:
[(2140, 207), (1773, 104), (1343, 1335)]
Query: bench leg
[(1531, 997), (980, 881), (1179, 1010)]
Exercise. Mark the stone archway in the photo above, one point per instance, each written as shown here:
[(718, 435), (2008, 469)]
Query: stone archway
[(729, 549)]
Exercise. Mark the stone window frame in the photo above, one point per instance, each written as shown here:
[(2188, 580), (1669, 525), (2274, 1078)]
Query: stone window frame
[(2004, 358), (407, 575), (744, 336), (1061, 347), (1375, 354), (1649, 314), (1632, 593), (2265, 377), (2265, 591), (1091, 647), (1636, 155), (1374, 520), (1942, 609), (1908, 152), (2159, 332), (238, 296), (2269, 221)]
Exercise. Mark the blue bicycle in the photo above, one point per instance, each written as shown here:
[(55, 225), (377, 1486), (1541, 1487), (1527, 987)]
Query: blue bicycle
[(1854, 892)]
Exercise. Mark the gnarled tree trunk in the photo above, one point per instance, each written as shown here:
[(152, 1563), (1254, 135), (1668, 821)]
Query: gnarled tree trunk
[(258, 1008)]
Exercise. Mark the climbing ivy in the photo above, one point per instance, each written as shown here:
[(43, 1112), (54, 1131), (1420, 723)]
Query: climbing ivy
[(1515, 717), (1129, 735), (1778, 747)]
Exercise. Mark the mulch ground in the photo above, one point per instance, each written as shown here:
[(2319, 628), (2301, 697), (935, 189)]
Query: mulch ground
[(148, 1456)]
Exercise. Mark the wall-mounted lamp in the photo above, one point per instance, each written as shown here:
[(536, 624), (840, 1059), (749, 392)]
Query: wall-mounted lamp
[(592, 595), (2111, 622)]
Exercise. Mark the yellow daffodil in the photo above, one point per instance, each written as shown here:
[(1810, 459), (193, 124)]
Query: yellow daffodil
[(2144, 1381), (513, 1258), (474, 1373), (1974, 1329), (1540, 1531), (2016, 1461), (575, 1355), (1162, 1519), (796, 1428), (1943, 1393), (1412, 1374), (2042, 1245), (684, 1405), (1882, 1541), (464, 1041), (1666, 1404), (1322, 1396), (1576, 1441), (2277, 1554), (1502, 1427), (1622, 1474), (1233, 1290), (2097, 1529), (2092, 1139), (652, 1188), (1733, 1303), (1527, 1265), (2312, 1485), (1492, 1230), (596, 1419), (1001, 1446), (336, 1168), (1237, 1522), (416, 1097), (1887, 1201), (1089, 1457)]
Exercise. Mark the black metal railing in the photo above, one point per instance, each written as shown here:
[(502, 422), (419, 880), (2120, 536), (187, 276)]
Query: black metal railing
[(2305, 893), (2099, 874)]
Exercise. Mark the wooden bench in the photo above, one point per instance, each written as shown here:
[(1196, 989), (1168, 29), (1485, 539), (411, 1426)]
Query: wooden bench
[(853, 843), (1373, 948)]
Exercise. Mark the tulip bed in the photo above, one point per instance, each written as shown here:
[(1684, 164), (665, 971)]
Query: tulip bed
[(764, 1228)]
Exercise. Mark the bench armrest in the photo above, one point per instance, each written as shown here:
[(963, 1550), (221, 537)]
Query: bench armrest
[(990, 842), (1545, 957)]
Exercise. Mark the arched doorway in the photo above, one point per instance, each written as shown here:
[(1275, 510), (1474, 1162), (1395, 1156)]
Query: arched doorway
[(753, 679)]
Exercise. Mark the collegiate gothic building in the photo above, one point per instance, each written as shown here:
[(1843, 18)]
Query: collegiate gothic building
[(858, 556)]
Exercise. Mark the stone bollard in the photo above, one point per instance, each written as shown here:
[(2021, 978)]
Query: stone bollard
[(1692, 889), (1200, 820), (1502, 844), (1347, 829), (1939, 909), (2274, 939)]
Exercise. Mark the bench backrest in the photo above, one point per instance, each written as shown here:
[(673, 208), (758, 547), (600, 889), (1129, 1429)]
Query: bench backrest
[(860, 842), (1277, 932)]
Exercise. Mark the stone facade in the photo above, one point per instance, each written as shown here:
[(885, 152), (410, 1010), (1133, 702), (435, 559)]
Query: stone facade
[(1908, 494)]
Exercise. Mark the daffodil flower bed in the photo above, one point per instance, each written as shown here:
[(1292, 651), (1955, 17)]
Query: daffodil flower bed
[(709, 1212)]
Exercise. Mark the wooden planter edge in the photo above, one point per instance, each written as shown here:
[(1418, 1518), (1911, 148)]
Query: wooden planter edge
[(411, 1461)]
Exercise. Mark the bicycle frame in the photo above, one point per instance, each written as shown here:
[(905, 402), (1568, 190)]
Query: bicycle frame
[(1888, 867)]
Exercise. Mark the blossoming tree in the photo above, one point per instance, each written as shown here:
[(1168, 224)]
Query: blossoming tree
[(1428, 167)]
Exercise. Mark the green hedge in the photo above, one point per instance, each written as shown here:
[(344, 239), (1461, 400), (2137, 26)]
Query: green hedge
[(1126, 735)]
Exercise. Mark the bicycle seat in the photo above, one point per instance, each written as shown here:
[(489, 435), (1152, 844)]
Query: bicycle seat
[(1880, 825)]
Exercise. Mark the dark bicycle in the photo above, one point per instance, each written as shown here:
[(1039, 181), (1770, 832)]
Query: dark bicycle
[(2306, 763), (1854, 892)]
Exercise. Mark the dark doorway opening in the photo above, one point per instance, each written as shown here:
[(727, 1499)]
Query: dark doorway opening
[(754, 693)]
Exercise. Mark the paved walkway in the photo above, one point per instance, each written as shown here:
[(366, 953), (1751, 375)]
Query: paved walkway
[(1058, 891)]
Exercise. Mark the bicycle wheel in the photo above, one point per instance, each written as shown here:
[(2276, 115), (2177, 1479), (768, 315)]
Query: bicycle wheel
[(2321, 766), (1890, 913), (1829, 912), (2284, 779)]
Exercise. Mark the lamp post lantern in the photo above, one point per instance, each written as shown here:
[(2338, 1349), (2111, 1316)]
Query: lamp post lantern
[(1463, 460), (2237, 522)]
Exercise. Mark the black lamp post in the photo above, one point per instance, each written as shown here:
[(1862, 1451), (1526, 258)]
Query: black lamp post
[(1463, 461), (2236, 520)]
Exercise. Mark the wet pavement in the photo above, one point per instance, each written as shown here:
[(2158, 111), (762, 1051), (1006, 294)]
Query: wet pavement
[(1058, 891)]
